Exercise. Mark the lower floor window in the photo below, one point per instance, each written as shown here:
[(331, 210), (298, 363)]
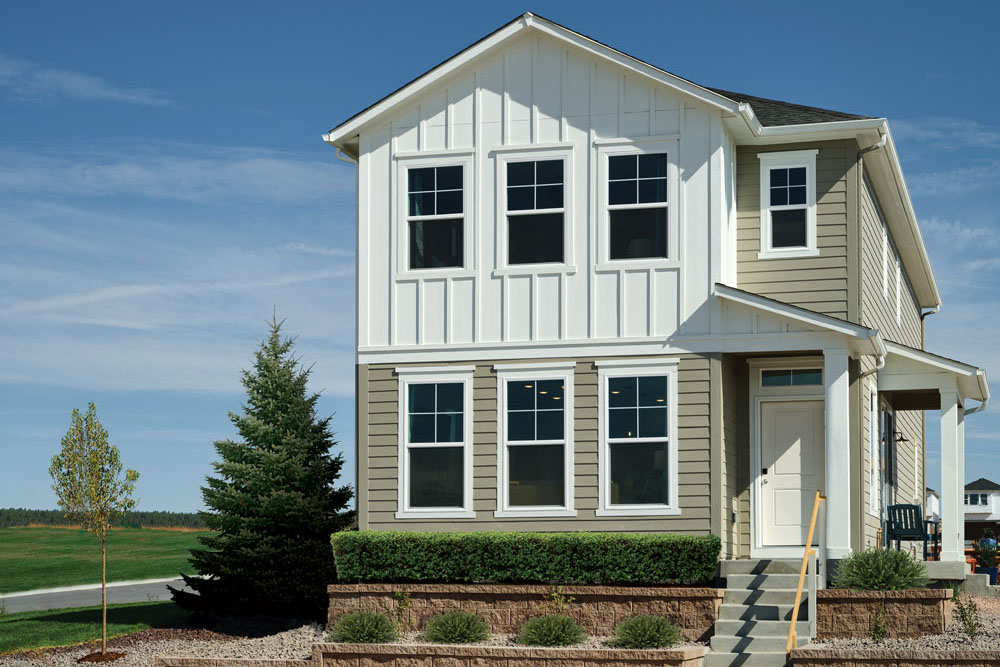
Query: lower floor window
[(536, 475), (436, 476), (639, 473)]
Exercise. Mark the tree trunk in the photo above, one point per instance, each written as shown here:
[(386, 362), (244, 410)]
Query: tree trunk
[(104, 599)]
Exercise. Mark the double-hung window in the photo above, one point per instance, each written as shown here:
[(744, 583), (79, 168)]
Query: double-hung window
[(788, 204), (637, 206), (638, 458), (874, 458), (435, 216), (435, 443), (534, 200), (535, 475)]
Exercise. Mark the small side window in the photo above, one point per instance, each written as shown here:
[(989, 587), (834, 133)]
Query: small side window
[(788, 204)]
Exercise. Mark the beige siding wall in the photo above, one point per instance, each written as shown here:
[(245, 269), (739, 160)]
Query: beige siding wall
[(378, 408), (735, 458), (818, 283)]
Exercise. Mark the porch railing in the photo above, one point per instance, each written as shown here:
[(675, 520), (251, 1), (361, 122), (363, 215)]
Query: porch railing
[(810, 556)]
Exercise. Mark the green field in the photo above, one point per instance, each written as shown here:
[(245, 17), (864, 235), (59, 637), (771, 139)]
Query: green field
[(45, 557), (65, 627)]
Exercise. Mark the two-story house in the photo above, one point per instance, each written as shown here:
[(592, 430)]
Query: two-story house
[(982, 508), (593, 295)]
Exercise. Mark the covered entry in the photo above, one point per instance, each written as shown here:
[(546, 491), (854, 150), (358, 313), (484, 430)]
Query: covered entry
[(919, 380)]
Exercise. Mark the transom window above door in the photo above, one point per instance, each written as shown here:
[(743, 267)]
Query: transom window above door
[(791, 377), (435, 216), (535, 207), (637, 206)]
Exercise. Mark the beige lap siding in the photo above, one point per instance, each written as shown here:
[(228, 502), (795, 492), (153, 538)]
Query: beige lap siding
[(378, 417), (818, 283)]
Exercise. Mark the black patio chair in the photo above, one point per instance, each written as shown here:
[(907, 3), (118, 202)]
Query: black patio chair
[(907, 524)]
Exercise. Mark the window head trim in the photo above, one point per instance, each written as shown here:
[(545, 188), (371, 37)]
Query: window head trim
[(630, 369), (411, 375), (400, 212), (538, 373), (647, 146), (787, 160)]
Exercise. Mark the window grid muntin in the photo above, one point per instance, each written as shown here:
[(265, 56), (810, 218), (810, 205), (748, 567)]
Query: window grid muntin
[(664, 163), (435, 191), (535, 410), (770, 162), (534, 185), (435, 413), (612, 441)]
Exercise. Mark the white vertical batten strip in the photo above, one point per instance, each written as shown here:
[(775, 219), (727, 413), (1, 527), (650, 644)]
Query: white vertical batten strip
[(533, 115), (563, 85), (592, 213), (393, 186), (480, 214)]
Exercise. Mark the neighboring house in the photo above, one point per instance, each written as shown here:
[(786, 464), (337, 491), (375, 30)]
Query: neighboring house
[(982, 508), (593, 295), (932, 504)]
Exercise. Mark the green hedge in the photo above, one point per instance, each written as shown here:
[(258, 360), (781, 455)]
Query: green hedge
[(554, 558)]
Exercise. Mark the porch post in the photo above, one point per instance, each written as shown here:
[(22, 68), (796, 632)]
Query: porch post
[(952, 476), (838, 453)]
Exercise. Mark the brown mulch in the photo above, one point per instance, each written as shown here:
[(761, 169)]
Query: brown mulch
[(110, 656)]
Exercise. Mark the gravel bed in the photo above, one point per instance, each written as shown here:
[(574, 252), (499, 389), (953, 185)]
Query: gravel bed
[(953, 639), (141, 648)]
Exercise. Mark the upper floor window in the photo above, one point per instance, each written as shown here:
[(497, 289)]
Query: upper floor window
[(535, 199), (637, 206), (435, 208), (788, 204), (975, 499)]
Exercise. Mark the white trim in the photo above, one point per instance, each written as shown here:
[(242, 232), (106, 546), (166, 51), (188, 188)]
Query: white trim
[(885, 262), (532, 154), (638, 147), (793, 312), (446, 153), (627, 141), (541, 147), (425, 375), (637, 368), (899, 282), (400, 222), (557, 371), (874, 454), (787, 160)]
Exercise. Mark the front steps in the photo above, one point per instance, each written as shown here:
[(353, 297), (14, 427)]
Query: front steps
[(757, 608)]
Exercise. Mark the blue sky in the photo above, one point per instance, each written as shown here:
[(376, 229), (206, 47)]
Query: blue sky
[(163, 186)]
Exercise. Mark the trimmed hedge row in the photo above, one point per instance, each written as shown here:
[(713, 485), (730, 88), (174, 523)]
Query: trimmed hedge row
[(553, 558)]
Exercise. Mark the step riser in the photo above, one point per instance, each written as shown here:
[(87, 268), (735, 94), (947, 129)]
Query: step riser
[(730, 567), (759, 597), (744, 660), (764, 612), (758, 628), (786, 582), (752, 644)]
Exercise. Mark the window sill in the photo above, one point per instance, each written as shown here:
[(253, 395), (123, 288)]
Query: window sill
[(435, 274), (639, 511), (788, 254), (534, 513), (436, 514), (534, 270), (613, 266)]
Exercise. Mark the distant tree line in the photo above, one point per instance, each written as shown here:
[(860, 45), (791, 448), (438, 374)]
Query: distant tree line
[(16, 516)]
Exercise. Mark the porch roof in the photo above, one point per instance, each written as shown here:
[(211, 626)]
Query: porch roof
[(922, 375)]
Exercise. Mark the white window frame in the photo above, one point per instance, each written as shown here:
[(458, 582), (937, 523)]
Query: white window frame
[(885, 262), (638, 147), (411, 375), (401, 234), (899, 290), (874, 455), (787, 160), (531, 371), (615, 368), (536, 153)]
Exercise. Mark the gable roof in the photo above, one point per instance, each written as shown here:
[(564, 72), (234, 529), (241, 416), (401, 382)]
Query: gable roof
[(772, 113), (982, 484)]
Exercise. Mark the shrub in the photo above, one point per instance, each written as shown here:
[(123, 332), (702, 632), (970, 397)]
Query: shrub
[(548, 558), (364, 627), (878, 627), (880, 570), (550, 630), (646, 631), (986, 554), (456, 627), (968, 615)]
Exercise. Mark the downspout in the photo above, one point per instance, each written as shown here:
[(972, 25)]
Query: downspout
[(981, 377), (927, 313), (878, 344), (881, 142), (344, 157)]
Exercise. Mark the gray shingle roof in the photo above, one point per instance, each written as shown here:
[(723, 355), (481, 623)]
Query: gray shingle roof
[(776, 112), (982, 484)]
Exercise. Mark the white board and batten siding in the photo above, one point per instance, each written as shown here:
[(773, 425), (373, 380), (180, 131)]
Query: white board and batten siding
[(543, 95)]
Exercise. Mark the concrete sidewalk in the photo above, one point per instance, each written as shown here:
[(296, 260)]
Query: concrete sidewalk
[(90, 594)]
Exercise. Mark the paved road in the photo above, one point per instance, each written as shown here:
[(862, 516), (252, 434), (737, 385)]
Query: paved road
[(139, 592)]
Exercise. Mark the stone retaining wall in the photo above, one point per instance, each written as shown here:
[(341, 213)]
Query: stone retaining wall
[(842, 612), (174, 661), (400, 655), (506, 606), (833, 657)]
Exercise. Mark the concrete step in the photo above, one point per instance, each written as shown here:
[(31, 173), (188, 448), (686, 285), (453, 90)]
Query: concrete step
[(768, 582), (761, 612), (745, 659), (754, 596), (722, 644), (742, 628), (759, 566)]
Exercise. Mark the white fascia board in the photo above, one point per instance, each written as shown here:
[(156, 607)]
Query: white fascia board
[(794, 312), (931, 359), (527, 21)]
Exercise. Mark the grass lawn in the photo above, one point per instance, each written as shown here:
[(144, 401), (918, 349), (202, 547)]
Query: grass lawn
[(49, 557), (64, 627)]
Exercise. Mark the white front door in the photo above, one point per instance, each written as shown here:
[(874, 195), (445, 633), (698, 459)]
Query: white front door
[(792, 463)]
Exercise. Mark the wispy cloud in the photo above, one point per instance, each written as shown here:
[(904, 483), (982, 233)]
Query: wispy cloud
[(958, 181), (957, 232), (325, 251), (946, 133), (33, 83), (196, 174)]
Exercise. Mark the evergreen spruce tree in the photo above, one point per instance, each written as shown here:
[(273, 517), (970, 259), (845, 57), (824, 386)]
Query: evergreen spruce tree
[(274, 502)]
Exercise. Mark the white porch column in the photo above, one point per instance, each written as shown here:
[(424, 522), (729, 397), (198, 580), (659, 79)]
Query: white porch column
[(952, 477), (838, 453)]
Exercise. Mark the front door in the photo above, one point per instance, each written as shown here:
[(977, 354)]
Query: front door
[(792, 464)]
